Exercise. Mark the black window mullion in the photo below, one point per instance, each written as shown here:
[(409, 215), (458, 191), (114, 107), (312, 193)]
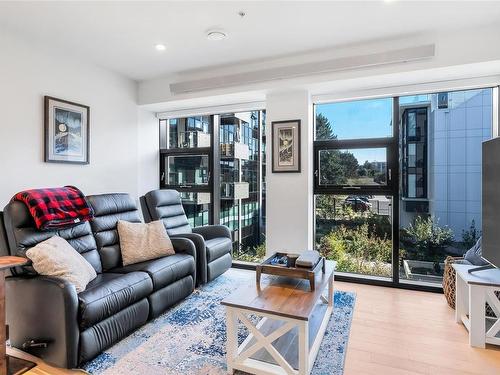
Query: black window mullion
[(395, 161), (215, 170)]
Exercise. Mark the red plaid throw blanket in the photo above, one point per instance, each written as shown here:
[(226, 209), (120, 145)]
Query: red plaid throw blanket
[(56, 208)]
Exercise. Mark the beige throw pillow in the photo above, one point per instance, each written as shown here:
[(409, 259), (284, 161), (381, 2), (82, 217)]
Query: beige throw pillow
[(140, 242), (56, 257)]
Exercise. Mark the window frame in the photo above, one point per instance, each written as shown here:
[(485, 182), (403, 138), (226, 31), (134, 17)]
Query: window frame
[(255, 129), (396, 177), (389, 144)]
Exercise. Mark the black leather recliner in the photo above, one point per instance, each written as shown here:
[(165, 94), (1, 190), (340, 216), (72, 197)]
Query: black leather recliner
[(213, 242), (77, 327)]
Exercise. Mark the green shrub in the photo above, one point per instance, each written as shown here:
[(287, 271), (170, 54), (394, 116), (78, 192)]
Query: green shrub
[(255, 254), (425, 239), (470, 236), (358, 250)]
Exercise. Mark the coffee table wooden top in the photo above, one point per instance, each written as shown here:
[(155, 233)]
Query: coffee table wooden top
[(282, 296)]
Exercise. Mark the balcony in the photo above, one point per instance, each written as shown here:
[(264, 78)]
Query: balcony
[(195, 198), (234, 190), (193, 139), (235, 150)]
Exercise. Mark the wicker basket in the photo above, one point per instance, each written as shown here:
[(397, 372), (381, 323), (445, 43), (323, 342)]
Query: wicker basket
[(449, 280), (449, 285)]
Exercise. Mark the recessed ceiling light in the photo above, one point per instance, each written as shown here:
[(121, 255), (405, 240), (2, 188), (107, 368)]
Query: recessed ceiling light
[(160, 47), (216, 35)]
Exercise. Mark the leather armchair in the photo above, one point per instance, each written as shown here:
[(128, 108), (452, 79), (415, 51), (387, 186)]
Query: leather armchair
[(213, 242)]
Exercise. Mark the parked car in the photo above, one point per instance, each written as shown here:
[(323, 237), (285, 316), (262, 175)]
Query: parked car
[(357, 203), (365, 198)]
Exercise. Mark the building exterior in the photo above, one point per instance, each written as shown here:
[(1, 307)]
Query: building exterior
[(441, 150), (217, 163)]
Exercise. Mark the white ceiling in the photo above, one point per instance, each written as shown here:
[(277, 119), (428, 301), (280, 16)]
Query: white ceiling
[(121, 35)]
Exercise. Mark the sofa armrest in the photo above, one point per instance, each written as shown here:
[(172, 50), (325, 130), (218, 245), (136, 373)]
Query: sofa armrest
[(185, 246), (201, 254), (213, 231), (44, 309)]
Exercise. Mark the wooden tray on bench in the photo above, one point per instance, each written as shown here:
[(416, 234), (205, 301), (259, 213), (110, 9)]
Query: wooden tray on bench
[(295, 272)]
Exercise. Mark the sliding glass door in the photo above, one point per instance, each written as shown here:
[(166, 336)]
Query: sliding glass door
[(440, 210), (398, 183), (354, 152)]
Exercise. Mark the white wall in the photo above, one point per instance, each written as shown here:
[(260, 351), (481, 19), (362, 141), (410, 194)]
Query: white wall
[(27, 73), (148, 156), (289, 198)]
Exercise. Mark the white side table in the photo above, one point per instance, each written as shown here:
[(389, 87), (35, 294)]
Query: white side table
[(472, 291)]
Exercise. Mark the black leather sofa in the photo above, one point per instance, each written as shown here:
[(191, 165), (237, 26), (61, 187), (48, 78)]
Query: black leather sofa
[(77, 327), (213, 242)]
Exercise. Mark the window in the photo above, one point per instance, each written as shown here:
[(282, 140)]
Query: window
[(354, 161), (218, 164), (393, 204), (187, 170), (190, 132), (356, 231), (242, 188), (361, 119), (197, 208), (353, 167), (440, 210)]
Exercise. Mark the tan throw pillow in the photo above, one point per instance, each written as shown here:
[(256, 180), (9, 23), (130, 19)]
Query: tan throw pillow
[(140, 242), (56, 257)]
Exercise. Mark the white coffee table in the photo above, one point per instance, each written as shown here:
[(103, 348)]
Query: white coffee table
[(291, 323)]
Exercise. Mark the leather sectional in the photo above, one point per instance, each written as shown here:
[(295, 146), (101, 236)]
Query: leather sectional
[(77, 327)]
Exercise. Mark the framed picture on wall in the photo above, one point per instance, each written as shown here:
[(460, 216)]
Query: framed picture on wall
[(67, 131), (286, 146)]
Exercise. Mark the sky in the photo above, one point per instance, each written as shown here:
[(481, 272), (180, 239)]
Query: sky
[(361, 119)]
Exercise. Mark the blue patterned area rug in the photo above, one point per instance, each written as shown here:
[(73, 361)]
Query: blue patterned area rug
[(190, 338)]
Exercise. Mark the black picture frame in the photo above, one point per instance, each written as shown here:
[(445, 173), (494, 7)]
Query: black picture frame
[(79, 113), (275, 127)]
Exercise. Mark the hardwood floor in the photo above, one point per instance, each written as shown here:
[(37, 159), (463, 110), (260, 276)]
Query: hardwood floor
[(404, 332), (400, 332), (41, 367)]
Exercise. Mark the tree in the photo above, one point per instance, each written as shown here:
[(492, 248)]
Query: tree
[(349, 163), (324, 128)]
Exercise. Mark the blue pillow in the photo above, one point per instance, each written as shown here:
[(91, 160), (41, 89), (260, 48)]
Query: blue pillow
[(473, 255)]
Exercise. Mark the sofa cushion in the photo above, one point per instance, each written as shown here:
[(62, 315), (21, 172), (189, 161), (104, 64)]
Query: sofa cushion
[(217, 247), (163, 271), (140, 242), (109, 293), (22, 235), (55, 257), (166, 205), (108, 209), (474, 254)]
